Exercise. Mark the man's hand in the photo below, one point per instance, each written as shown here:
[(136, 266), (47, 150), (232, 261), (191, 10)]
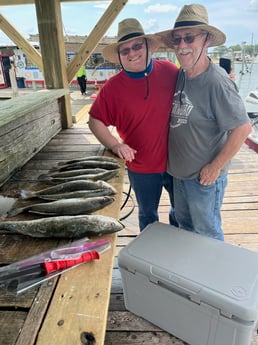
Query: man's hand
[(209, 174), (124, 151)]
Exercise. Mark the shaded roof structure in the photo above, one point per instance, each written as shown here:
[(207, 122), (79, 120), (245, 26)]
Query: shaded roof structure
[(52, 58)]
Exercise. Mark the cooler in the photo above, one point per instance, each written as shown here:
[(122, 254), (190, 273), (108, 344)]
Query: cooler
[(203, 291)]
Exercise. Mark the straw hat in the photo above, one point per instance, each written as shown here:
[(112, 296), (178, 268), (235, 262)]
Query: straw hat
[(193, 16), (128, 29)]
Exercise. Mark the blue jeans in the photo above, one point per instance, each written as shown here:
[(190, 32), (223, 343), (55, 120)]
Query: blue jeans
[(197, 207), (148, 189)]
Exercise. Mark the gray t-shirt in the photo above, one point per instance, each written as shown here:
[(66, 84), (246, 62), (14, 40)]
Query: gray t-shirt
[(204, 111)]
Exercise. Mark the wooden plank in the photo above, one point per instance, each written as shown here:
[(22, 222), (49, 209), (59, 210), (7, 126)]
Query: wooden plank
[(11, 323), (12, 302), (128, 329), (247, 241), (26, 126), (116, 301), (34, 318), (240, 206), (12, 245), (56, 156), (80, 303), (140, 338)]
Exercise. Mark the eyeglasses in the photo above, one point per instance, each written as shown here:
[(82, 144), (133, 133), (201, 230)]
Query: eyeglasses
[(135, 47), (187, 39)]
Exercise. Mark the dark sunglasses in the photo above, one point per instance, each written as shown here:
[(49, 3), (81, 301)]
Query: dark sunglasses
[(187, 39), (135, 47)]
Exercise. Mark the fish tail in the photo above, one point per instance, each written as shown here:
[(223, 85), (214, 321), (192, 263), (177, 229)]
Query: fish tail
[(53, 169), (14, 211), (43, 177), (26, 194), (107, 186)]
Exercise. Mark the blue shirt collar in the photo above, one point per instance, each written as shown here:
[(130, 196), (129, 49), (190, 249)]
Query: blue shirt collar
[(138, 75)]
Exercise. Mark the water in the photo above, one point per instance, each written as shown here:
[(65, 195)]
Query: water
[(6, 204), (247, 82)]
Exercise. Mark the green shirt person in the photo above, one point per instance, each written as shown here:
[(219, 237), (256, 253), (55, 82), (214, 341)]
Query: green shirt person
[(82, 79)]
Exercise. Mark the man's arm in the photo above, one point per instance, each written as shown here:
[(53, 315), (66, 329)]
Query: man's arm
[(105, 137)]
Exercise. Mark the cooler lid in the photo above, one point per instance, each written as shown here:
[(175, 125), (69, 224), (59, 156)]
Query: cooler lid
[(207, 270)]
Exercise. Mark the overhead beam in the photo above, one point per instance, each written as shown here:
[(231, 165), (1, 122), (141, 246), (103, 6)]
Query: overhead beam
[(94, 37), (21, 42), (32, 2)]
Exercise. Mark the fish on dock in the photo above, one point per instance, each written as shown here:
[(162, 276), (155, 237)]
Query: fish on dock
[(71, 186), (104, 176), (74, 206), (71, 173), (65, 226), (90, 158), (87, 165), (77, 194)]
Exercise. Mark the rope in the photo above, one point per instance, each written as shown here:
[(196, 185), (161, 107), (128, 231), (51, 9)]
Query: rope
[(128, 196)]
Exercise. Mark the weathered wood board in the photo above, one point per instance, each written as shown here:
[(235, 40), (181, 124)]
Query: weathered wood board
[(66, 307), (27, 124)]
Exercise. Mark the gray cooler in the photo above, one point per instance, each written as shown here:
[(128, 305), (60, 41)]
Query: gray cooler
[(201, 290)]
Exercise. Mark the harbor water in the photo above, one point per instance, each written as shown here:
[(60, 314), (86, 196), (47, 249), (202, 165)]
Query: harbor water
[(247, 80)]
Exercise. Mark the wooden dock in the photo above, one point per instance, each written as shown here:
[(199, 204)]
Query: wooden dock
[(49, 315), (72, 307), (240, 224)]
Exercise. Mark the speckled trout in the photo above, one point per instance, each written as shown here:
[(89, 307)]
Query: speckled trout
[(104, 176), (76, 194), (73, 206), (65, 226), (71, 173), (71, 186), (87, 165), (89, 158)]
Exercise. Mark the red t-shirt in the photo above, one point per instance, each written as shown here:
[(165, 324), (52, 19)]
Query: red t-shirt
[(141, 123)]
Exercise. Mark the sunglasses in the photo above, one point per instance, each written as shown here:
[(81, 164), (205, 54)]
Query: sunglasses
[(135, 47), (187, 39)]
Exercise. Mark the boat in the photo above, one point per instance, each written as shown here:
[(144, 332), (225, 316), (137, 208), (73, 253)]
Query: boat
[(252, 97), (252, 139), (251, 104)]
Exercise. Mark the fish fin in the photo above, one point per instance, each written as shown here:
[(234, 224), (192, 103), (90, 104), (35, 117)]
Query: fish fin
[(43, 177), (27, 194), (43, 213), (47, 197)]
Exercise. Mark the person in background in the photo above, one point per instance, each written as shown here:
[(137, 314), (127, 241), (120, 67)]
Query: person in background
[(137, 101), (208, 123), (82, 79)]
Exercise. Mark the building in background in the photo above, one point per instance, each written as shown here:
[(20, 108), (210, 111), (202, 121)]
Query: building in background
[(29, 75)]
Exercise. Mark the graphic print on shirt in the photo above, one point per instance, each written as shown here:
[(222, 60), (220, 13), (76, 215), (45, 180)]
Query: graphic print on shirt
[(181, 110)]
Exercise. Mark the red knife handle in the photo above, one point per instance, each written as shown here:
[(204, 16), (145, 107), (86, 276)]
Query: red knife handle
[(61, 264)]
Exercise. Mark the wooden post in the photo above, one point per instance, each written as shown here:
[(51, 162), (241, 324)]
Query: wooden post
[(53, 52)]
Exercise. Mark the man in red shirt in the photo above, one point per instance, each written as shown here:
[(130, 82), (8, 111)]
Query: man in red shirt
[(138, 101)]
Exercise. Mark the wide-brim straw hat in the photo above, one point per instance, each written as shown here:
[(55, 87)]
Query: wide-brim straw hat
[(128, 29), (193, 16)]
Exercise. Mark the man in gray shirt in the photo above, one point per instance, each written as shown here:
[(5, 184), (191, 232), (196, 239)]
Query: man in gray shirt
[(208, 124)]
